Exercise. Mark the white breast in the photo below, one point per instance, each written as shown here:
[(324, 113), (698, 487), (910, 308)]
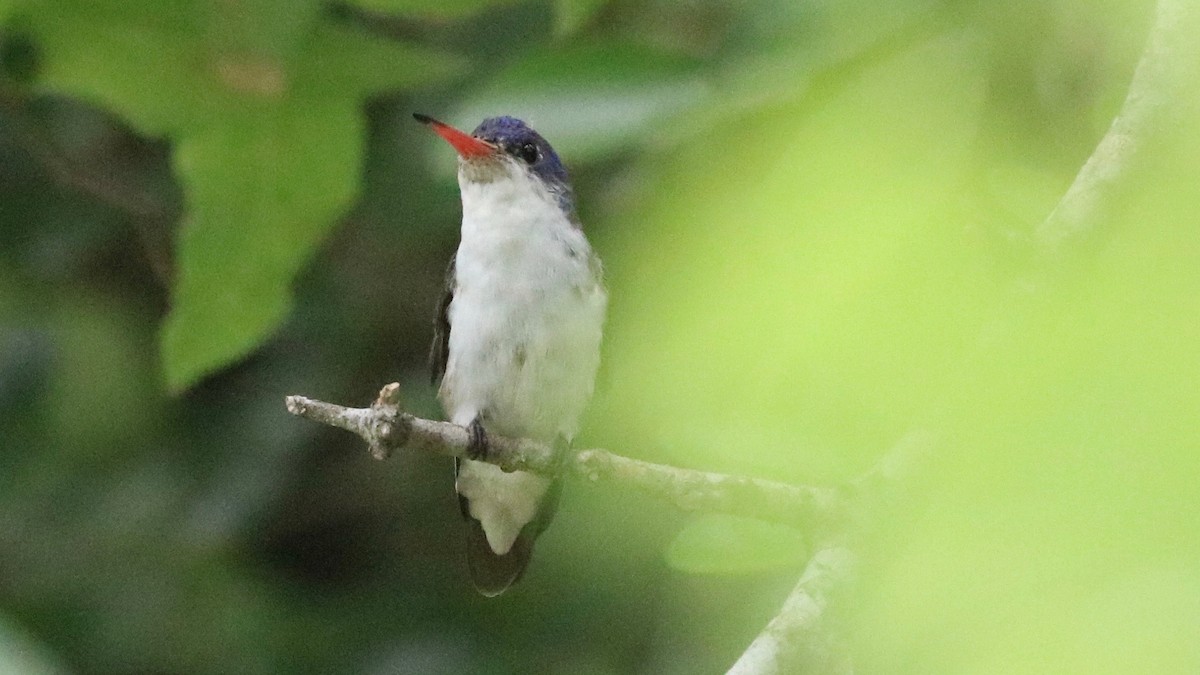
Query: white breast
[(526, 322)]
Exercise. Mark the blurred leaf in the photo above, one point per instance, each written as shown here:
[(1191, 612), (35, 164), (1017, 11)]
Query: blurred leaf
[(262, 102), (261, 197), (1023, 193), (433, 9), (199, 75), (809, 272), (1067, 504), (178, 15), (589, 100), (278, 28), (102, 393), (791, 43), (105, 63), (20, 654), (847, 29), (719, 544), (571, 15), (339, 62)]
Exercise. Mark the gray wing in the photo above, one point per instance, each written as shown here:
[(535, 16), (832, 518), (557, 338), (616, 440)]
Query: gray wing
[(439, 352)]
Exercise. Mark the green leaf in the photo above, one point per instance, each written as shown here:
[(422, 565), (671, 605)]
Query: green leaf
[(721, 544), (21, 653), (106, 63), (809, 274), (571, 15), (200, 73), (261, 196), (278, 28), (344, 63), (433, 9), (590, 100), (262, 101)]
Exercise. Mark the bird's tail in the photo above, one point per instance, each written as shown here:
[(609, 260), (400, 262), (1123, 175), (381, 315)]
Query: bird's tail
[(492, 574)]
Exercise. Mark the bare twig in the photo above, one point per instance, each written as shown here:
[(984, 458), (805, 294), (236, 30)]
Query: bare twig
[(893, 478), (1157, 95), (798, 638), (808, 507), (386, 429)]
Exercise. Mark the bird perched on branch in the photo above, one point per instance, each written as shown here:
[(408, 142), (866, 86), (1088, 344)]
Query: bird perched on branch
[(517, 333)]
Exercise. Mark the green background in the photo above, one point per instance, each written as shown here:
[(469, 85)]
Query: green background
[(819, 222)]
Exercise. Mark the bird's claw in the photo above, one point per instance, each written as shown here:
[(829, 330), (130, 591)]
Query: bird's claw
[(478, 445)]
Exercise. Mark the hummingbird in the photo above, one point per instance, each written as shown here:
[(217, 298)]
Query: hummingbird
[(516, 334)]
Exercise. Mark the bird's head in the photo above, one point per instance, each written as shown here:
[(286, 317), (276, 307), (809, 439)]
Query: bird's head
[(503, 148)]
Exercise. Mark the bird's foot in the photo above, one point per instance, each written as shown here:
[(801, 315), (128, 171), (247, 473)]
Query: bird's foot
[(478, 446)]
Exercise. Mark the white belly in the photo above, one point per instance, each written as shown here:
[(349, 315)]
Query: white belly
[(525, 328), (528, 370)]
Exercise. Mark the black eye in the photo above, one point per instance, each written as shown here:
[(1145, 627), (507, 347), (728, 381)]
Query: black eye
[(527, 152)]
